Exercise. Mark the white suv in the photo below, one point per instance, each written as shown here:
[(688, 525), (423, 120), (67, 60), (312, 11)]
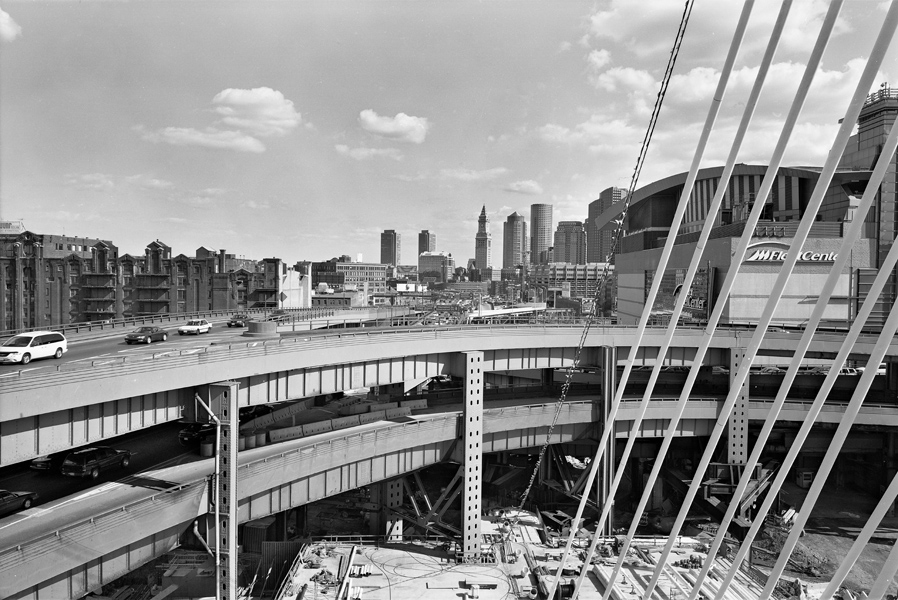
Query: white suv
[(25, 347)]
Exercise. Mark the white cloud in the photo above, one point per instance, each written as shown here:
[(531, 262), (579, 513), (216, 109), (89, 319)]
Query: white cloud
[(204, 197), (261, 205), (145, 181), (626, 78), (260, 111), (9, 29), (597, 129), (471, 175), (99, 182), (368, 153), (564, 46), (527, 186), (598, 59), (418, 177), (402, 127), (208, 138)]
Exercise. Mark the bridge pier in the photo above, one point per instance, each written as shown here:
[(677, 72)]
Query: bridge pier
[(389, 495), (472, 438), (737, 430), (222, 399), (608, 362)]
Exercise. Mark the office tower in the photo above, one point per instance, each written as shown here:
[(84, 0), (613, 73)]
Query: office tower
[(570, 243), (427, 242), (514, 241), (598, 241), (483, 242), (389, 247), (435, 267), (540, 232)]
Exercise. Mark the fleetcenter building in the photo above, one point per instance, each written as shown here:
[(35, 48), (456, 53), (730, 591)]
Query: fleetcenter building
[(648, 225)]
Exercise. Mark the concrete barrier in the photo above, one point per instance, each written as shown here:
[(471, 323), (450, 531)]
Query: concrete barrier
[(398, 412), (313, 428), (378, 415), (287, 433), (354, 409), (342, 422), (382, 406), (413, 404)]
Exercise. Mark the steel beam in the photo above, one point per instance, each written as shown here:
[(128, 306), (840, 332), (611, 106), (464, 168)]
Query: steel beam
[(472, 437)]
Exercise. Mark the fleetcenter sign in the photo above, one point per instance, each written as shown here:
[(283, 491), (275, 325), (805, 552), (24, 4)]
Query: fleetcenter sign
[(767, 253)]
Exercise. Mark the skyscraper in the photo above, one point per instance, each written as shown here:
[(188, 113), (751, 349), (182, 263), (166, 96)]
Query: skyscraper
[(599, 241), (389, 247), (514, 241), (540, 232), (427, 242), (483, 242), (570, 243)]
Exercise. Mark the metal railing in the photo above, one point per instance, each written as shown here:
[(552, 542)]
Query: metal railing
[(109, 324)]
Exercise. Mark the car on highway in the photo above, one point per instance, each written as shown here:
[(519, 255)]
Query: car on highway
[(195, 433), (48, 463), (238, 320), (89, 462), (11, 502), (25, 347), (195, 327), (146, 335)]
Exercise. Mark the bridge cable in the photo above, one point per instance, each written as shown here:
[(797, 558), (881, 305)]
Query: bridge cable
[(615, 240)]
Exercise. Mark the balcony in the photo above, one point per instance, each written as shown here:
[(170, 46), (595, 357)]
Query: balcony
[(96, 284)]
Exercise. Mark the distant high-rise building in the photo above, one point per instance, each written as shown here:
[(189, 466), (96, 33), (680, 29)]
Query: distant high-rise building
[(389, 247), (435, 267), (540, 231), (427, 242), (483, 242), (599, 241), (570, 243), (514, 241)]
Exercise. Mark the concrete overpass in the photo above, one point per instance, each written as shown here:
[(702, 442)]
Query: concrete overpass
[(78, 404), (69, 547)]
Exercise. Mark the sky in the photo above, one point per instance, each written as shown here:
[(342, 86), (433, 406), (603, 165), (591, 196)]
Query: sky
[(304, 129)]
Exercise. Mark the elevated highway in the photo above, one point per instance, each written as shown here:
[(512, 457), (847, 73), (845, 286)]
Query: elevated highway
[(50, 410), (74, 545)]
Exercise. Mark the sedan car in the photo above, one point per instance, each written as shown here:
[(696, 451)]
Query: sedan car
[(194, 433), (195, 326), (238, 320), (90, 461), (11, 502), (146, 335), (49, 463)]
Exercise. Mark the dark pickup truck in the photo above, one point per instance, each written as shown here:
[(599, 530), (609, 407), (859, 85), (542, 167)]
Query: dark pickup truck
[(90, 461), (238, 320)]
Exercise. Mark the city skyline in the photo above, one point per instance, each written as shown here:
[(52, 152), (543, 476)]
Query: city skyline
[(262, 136)]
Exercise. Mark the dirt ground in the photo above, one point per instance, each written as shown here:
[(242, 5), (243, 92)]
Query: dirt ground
[(835, 522)]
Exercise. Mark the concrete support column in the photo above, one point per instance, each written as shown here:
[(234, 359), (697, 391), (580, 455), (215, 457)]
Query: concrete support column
[(392, 498), (222, 400), (891, 464), (472, 437), (608, 356), (547, 377), (737, 430), (388, 494)]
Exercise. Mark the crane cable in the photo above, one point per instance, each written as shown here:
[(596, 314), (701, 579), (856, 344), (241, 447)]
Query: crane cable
[(615, 240)]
